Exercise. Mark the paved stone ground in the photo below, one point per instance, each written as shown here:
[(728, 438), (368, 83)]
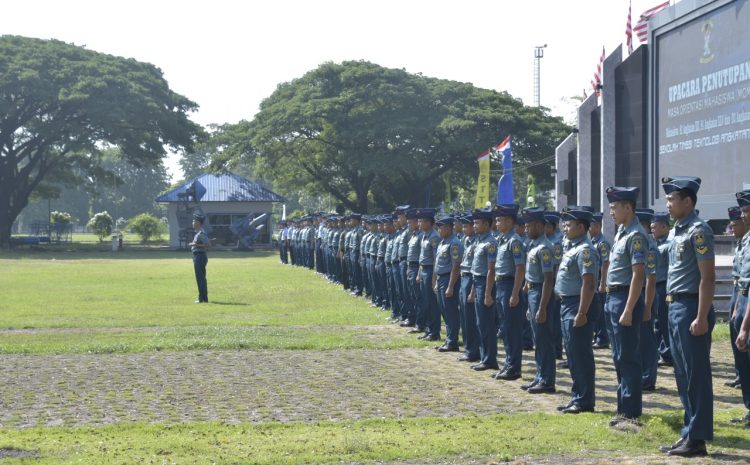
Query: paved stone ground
[(239, 386)]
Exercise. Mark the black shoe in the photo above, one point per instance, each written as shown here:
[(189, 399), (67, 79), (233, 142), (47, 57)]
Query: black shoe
[(734, 383), (560, 408), (432, 338), (744, 419), (201, 301), (651, 388), (575, 409), (529, 385), (482, 367), (541, 389), (600, 346), (466, 358), (414, 331), (508, 376), (690, 448), (672, 446), (423, 336), (406, 324), (445, 348), (664, 363)]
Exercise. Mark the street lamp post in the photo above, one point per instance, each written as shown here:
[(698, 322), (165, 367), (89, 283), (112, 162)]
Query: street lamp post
[(538, 55)]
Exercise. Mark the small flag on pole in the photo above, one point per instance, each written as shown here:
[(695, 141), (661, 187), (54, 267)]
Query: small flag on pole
[(641, 28), (629, 30), (596, 83)]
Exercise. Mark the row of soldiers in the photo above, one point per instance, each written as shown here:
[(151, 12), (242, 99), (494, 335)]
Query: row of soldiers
[(492, 272)]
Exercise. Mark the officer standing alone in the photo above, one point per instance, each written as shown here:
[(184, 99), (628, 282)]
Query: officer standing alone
[(198, 247)]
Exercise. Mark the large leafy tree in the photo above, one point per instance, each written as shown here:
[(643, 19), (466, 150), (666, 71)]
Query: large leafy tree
[(374, 137), (60, 104)]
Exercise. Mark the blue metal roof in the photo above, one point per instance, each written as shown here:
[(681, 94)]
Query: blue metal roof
[(221, 187)]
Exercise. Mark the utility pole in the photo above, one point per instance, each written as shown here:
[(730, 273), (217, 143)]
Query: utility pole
[(538, 55)]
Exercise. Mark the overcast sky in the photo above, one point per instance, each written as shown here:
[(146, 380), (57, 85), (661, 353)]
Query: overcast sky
[(228, 55)]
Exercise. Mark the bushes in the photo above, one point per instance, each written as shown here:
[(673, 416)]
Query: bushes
[(101, 225), (147, 226)]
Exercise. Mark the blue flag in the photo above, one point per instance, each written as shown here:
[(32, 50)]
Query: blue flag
[(505, 184)]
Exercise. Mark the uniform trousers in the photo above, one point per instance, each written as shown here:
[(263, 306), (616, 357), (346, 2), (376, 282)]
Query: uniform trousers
[(469, 329), (428, 300), (199, 265), (579, 351), (512, 324), (544, 344), (485, 321), (449, 309), (626, 352), (692, 368), (411, 280), (661, 321)]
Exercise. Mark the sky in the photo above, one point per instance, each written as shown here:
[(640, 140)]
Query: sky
[(228, 55)]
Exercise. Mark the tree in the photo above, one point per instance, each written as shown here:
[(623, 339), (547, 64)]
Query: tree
[(371, 135), (146, 226), (60, 104), (101, 225)]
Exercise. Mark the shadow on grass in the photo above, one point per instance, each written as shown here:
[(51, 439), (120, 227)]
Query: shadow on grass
[(216, 302), (85, 251)]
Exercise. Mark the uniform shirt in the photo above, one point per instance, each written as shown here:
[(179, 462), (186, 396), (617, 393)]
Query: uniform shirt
[(692, 242), (415, 243), (662, 259), (200, 238), (485, 252), (390, 240), (602, 246), (395, 243), (629, 249), (652, 258), (403, 243), (556, 241), (578, 260), (383, 245), (374, 243), (510, 253), (428, 247), (744, 268), (449, 253), (468, 255), (356, 239), (539, 260)]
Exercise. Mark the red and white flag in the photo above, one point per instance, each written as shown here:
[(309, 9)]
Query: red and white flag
[(629, 31), (641, 29), (596, 83)]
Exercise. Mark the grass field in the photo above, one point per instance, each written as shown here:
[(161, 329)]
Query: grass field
[(107, 360)]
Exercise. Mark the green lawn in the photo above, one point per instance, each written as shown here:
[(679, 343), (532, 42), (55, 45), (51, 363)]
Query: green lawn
[(99, 301)]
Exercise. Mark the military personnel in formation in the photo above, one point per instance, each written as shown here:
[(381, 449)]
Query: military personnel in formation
[(690, 292), (198, 247), (400, 250), (576, 286), (510, 268), (390, 223), (528, 338), (660, 233), (428, 308), (602, 245), (469, 328), (540, 282), (649, 348), (482, 293), (624, 304), (555, 237), (738, 229), (445, 281), (741, 315), (412, 271), (353, 247)]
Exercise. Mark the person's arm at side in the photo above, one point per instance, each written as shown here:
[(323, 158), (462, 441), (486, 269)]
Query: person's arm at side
[(636, 286)]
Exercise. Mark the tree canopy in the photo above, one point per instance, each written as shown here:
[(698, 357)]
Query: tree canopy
[(374, 137), (61, 104)]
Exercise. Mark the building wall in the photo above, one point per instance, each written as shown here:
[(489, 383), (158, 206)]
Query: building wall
[(214, 208)]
